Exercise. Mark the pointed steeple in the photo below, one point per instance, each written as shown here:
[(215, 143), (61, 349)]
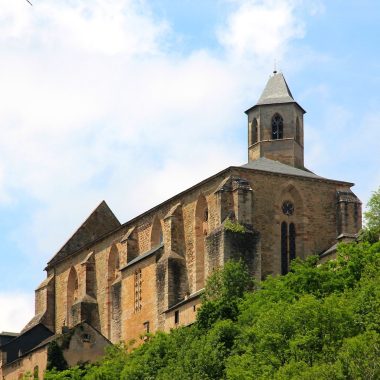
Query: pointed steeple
[(276, 91), (275, 125)]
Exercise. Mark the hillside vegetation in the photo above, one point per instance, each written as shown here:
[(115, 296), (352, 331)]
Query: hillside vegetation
[(317, 322)]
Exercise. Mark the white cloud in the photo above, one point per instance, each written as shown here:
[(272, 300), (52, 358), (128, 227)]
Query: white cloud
[(95, 107), (261, 29), (16, 311), (100, 26)]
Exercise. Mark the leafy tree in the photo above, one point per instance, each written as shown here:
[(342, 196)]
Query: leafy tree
[(224, 289), (360, 357), (371, 232), (110, 367), (55, 357), (75, 373), (320, 321)]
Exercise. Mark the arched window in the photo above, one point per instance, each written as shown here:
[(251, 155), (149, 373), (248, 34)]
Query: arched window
[(156, 237), (72, 293), (292, 241), (113, 264), (284, 248), (277, 127), (254, 135), (298, 132), (201, 231)]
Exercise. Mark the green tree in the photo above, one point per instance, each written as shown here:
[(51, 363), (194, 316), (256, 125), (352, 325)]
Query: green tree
[(360, 357), (55, 357), (320, 321), (224, 289), (371, 232)]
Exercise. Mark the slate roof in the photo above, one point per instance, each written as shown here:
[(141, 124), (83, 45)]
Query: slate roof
[(143, 256), (276, 91), (267, 165), (36, 320)]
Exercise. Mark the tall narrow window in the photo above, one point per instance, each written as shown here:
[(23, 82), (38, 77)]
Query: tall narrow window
[(298, 132), (71, 296), (254, 136), (284, 248), (292, 241), (277, 127), (156, 236), (138, 283)]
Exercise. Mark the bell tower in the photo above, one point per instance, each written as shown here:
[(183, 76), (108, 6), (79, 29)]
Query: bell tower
[(275, 125)]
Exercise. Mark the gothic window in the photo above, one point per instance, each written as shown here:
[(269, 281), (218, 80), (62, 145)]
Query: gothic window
[(284, 248), (72, 293), (277, 127), (113, 264), (131, 243), (156, 237), (254, 136), (138, 283), (298, 132), (292, 241), (146, 327)]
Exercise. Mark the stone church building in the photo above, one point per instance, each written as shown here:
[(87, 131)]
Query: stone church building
[(113, 281)]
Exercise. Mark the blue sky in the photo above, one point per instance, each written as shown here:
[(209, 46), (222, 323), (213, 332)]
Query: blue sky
[(133, 101)]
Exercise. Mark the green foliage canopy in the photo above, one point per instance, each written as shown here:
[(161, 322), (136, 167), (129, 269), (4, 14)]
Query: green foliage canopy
[(317, 322), (371, 232)]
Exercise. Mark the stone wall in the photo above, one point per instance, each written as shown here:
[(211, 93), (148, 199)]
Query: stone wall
[(170, 275), (31, 364)]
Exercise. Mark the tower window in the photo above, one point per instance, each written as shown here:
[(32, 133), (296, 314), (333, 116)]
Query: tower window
[(298, 132), (254, 135), (176, 317), (277, 127)]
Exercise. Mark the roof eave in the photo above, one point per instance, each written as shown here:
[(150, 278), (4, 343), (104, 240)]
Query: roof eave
[(271, 104)]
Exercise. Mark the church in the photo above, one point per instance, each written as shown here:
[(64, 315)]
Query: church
[(115, 281)]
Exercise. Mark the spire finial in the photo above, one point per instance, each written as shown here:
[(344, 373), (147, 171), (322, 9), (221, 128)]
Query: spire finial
[(275, 66)]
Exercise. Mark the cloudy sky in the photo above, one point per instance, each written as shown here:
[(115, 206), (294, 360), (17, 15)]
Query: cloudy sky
[(132, 101)]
